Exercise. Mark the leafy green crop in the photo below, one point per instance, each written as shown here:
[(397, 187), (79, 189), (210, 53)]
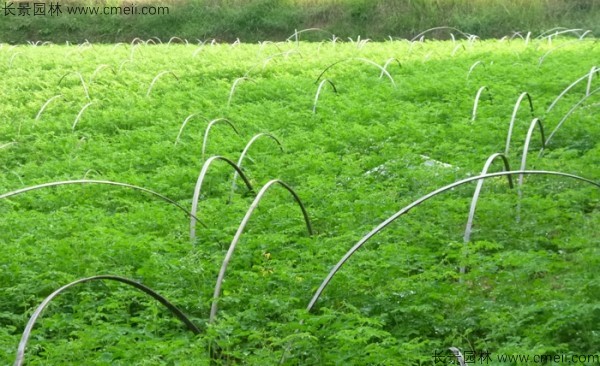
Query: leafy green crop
[(400, 122)]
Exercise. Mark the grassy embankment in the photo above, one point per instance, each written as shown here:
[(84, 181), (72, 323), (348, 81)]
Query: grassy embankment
[(254, 20)]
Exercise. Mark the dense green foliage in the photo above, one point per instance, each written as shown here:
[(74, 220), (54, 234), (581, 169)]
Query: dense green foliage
[(531, 286), (257, 20)]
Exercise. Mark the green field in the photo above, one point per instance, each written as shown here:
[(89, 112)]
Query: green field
[(365, 129)]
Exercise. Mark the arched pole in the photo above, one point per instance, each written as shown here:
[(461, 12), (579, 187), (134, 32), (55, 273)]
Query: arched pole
[(240, 230), (38, 311), (416, 203), (92, 181)]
